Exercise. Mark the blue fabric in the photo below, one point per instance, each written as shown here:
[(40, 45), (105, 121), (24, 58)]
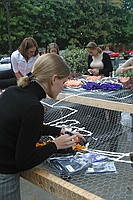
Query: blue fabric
[(10, 186)]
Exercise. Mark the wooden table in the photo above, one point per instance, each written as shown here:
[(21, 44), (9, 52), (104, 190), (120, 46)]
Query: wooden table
[(57, 186), (123, 102), (45, 177)]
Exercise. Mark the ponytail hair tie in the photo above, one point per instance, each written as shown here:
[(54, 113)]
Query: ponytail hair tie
[(30, 76)]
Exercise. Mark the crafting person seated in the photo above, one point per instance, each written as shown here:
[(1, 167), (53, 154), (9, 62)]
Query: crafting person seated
[(127, 66), (99, 63), (22, 61)]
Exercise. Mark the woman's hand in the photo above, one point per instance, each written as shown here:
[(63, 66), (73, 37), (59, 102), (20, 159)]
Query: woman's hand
[(94, 71), (18, 75), (127, 68), (65, 141), (90, 71), (79, 135)]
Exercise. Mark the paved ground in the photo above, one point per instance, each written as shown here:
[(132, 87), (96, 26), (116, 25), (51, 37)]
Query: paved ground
[(33, 192)]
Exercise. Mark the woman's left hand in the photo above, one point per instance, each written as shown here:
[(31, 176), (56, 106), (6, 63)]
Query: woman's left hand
[(95, 72), (79, 135)]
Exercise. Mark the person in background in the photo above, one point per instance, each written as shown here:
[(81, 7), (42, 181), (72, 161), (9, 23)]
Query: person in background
[(53, 48), (127, 66), (21, 123), (22, 61), (99, 63)]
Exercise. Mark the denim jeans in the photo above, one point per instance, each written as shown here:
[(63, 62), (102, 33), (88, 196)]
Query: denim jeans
[(10, 186)]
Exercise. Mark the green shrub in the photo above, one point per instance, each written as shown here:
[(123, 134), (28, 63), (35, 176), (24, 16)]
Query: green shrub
[(76, 58)]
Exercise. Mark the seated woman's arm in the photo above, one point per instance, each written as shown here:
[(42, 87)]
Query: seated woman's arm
[(14, 62), (128, 65), (18, 75)]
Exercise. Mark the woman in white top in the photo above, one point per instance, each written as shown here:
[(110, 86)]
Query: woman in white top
[(128, 65), (22, 61)]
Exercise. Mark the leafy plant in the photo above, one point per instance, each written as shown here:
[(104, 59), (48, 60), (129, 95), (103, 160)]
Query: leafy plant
[(128, 74), (76, 58)]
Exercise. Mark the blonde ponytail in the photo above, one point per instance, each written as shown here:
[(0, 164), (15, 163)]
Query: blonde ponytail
[(23, 81)]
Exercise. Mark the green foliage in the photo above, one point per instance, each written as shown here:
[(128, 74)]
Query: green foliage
[(76, 58), (67, 22), (127, 74)]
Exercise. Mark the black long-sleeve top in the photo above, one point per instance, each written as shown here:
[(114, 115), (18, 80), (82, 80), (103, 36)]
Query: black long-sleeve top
[(107, 68), (21, 126)]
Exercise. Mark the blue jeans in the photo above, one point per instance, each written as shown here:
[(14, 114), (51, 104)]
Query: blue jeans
[(10, 186)]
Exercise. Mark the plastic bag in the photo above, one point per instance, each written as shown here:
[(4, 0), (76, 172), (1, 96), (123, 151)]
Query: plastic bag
[(101, 167)]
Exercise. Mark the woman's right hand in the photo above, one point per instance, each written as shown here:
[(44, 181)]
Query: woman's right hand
[(65, 141), (90, 71)]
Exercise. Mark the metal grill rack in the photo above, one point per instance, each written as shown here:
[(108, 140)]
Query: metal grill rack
[(125, 96), (108, 135), (98, 113)]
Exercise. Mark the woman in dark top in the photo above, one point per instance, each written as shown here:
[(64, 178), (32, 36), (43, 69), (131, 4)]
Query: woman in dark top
[(21, 123), (99, 63)]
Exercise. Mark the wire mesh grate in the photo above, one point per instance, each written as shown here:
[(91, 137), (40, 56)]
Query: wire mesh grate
[(108, 135), (125, 96)]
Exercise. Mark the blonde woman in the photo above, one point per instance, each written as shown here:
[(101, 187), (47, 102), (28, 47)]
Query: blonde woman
[(21, 123), (99, 63)]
